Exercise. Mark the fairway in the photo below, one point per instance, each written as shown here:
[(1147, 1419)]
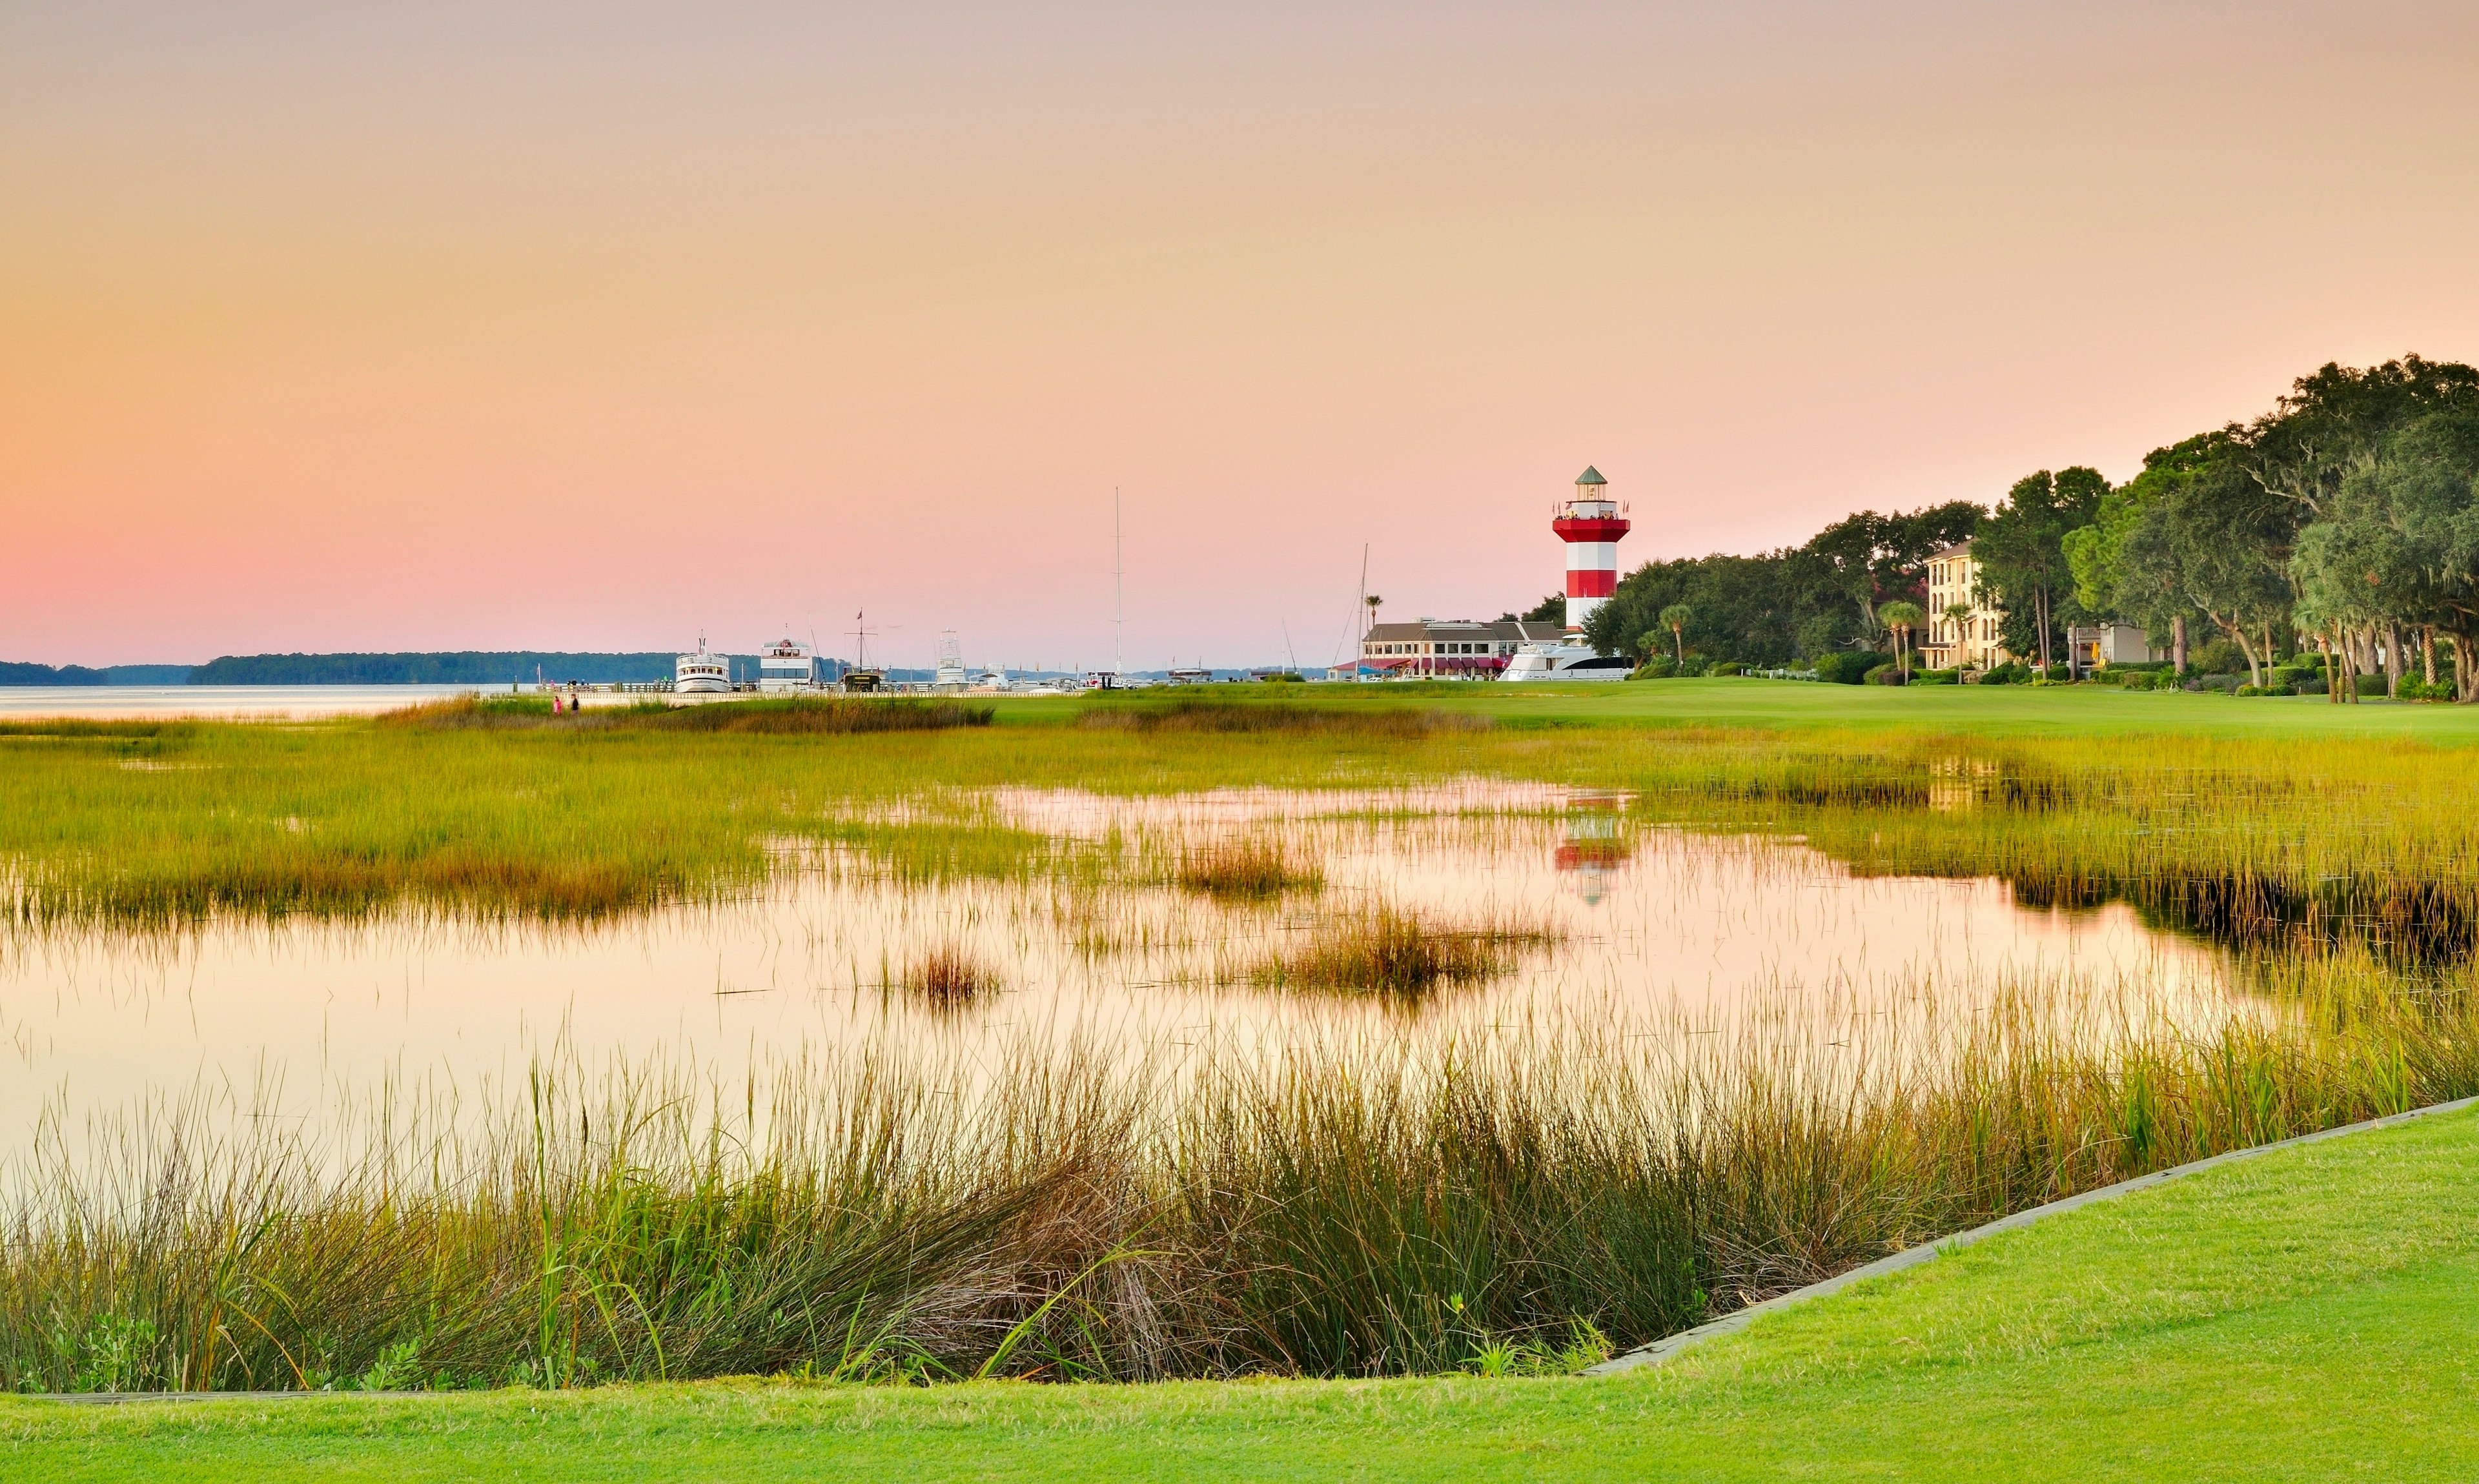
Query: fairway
[(1981, 710), (2301, 1315)]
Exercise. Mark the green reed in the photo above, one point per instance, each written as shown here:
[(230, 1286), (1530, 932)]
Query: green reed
[(1412, 1204)]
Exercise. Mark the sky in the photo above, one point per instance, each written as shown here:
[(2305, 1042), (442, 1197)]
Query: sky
[(597, 326)]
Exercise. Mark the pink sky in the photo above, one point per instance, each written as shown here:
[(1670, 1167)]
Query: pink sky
[(333, 326)]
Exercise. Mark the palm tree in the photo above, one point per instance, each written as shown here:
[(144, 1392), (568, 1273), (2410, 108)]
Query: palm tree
[(1958, 614), (1675, 618), (1905, 619)]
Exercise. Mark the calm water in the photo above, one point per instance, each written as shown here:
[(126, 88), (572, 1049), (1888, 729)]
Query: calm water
[(125, 701), (1657, 933)]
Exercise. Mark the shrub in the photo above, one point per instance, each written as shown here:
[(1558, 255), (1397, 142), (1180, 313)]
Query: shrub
[(1886, 674), (2261, 690), (1661, 667), (1937, 677), (2224, 684), (2309, 685), (2010, 673), (1727, 667), (1847, 667), (2371, 685)]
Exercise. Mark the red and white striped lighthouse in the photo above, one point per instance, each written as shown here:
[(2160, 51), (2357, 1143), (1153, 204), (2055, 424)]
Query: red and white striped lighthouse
[(1591, 525)]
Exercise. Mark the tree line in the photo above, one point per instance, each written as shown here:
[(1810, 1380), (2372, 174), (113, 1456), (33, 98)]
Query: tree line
[(2343, 521), (465, 666)]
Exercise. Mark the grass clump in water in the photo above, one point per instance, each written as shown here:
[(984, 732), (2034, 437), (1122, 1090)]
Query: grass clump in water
[(1399, 954), (948, 978), (1244, 870)]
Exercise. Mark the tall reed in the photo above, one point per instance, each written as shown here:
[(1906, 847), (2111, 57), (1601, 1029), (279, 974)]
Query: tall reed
[(1345, 1208)]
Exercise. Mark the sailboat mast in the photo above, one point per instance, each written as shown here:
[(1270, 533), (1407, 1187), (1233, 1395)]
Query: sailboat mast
[(1118, 590)]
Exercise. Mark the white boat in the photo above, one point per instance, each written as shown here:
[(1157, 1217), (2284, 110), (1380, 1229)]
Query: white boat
[(784, 667), (951, 674), (701, 673), (1564, 662)]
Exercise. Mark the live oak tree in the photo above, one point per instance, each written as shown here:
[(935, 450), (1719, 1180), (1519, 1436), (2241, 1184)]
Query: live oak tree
[(2211, 540), (2397, 544), (2145, 585)]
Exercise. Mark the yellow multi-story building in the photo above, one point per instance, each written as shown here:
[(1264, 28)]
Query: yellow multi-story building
[(1972, 641)]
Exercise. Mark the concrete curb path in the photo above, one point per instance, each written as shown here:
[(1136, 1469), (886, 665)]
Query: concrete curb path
[(1731, 1324)]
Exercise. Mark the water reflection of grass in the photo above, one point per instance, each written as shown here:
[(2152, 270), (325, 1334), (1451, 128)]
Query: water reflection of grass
[(1352, 1207)]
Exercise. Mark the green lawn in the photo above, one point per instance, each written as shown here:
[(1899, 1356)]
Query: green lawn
[(1993, 711), (1987, 709), (2303, 1315)]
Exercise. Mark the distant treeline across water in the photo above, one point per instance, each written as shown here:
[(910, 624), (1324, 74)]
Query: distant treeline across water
[(465, 667), (13, 674)]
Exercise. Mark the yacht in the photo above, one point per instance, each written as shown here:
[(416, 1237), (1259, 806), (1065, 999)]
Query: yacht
[(951, 674), (784, 667), (1570, 660), (701, 673)]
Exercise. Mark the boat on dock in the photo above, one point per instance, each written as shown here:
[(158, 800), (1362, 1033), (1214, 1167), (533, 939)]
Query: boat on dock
[(787, 667), (701, 673)]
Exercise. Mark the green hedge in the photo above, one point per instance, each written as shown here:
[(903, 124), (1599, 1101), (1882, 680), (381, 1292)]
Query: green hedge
[(1849, 667)]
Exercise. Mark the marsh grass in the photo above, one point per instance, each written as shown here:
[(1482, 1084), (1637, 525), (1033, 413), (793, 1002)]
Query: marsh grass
[(1400, 955), (1388, 1205), (1250, 869), (1200, 714), (762, 715), (1327, 1207), (159, 825)]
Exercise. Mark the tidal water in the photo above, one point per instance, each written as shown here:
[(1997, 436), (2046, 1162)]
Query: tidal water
[(1648, 931)]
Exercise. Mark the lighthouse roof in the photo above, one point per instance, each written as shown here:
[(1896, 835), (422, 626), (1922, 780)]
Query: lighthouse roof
[(1590, 475)]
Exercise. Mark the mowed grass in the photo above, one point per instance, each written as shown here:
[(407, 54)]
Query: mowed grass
[(1968, 710), (2301, 1315)]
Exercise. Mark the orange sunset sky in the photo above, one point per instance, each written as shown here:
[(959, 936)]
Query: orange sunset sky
[(353, 327)]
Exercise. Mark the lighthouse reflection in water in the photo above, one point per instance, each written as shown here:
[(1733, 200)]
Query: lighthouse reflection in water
[(1593, 848)]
